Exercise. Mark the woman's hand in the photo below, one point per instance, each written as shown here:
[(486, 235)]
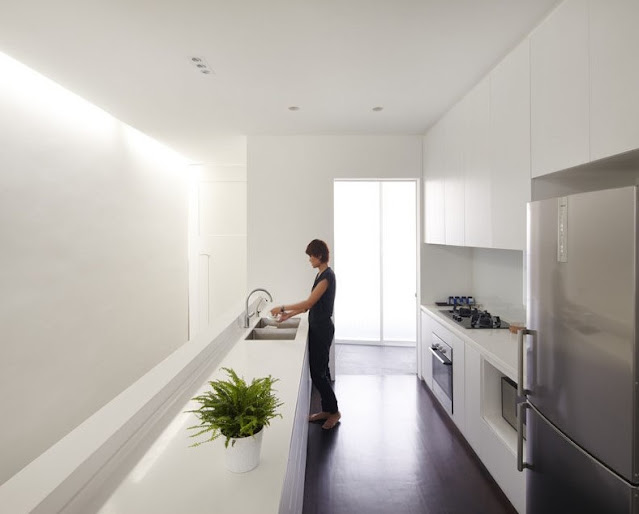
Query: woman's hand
[(275, 311), (285, 315)]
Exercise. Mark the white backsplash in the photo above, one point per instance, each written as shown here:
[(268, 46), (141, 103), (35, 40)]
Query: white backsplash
[(495, 278), (445, 270), (498, 282)]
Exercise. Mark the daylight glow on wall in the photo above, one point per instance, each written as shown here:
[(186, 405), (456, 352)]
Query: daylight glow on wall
[(147, 147), (36, 97)]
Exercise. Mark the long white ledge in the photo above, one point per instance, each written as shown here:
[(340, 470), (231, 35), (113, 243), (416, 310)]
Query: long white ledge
[(66, 477)]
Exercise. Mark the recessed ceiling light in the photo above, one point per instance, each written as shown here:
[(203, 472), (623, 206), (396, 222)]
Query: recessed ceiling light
[(200, 64), (293, 108), (378, 108)]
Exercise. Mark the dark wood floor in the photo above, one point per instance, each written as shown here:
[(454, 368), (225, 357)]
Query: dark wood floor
[(396, 450)]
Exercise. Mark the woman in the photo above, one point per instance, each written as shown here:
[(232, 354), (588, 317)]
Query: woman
[(320, 329)]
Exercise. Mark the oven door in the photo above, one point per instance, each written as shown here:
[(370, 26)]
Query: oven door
[(442, 372)]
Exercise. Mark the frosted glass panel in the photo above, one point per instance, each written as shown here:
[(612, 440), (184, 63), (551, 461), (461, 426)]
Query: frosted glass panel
[(399, 261), (357, 260)]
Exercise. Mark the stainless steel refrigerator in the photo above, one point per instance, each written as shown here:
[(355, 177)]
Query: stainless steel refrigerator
[(581, 385)]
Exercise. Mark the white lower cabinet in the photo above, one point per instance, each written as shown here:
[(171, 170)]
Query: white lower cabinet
[(490, 436), (477, 408), (426, 356), (472, 391)]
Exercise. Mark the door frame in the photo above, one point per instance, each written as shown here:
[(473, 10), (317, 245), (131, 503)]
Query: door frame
[(417, 182)]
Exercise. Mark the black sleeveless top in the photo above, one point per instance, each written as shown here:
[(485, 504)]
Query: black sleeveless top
[(322, 311)]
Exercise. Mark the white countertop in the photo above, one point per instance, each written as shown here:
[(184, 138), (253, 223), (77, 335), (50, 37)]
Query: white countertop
[(172, 477), (498, 346)]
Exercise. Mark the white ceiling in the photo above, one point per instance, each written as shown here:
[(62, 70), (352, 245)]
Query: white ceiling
[(335, 59)]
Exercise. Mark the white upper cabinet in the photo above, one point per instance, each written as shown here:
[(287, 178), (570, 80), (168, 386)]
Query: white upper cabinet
[(565, 96), (510, 148), (454, 184), (614, 77), (559, 89), (434, 177), (443, 177), (478, 229)]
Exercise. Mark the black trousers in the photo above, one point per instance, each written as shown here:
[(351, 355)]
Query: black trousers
[(319, 343)]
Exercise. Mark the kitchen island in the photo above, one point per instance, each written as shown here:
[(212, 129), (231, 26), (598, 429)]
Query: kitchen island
[(133, 456), (172, 477)]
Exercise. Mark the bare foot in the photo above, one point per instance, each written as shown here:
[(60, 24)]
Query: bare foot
[(319, 416), (332, 420)]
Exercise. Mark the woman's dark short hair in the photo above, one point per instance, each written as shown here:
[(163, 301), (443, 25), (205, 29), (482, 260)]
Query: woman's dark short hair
[(319, 249)]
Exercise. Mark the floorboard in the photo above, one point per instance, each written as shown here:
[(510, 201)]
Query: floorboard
[(395, 450)]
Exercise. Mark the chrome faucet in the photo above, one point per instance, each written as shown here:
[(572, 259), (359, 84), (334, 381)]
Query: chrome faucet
[(247, 316)]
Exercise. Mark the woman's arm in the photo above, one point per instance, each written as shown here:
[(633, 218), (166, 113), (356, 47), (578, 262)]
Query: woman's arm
[(304, 305), (283, 316)]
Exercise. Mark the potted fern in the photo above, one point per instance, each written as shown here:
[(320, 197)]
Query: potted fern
[(238, 411)]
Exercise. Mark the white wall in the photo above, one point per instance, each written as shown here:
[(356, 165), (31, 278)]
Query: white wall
[(93, 260), (217, 243), (290, 198)]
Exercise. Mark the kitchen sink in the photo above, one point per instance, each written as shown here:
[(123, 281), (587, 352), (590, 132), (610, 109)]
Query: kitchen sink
[(268, 323), (271, 333)]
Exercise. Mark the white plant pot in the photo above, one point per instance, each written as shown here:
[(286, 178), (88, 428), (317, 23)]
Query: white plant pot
[(244, 455)]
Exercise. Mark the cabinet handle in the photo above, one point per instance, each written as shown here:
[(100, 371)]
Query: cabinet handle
[(521, 407)]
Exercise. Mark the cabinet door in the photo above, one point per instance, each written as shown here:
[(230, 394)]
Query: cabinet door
[(426, 363), (454, 183), (459, 391), (478, 229), (434, 178), (472, 388), (559, 89), (614, 77), (510, 148)]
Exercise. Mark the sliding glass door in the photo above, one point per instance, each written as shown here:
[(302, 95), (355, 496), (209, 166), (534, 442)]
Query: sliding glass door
[(376, 261)]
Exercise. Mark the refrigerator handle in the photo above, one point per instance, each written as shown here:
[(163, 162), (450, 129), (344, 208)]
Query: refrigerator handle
[(520, 435), (520, 361)]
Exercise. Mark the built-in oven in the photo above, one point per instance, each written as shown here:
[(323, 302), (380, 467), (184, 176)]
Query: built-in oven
[(442, 372)]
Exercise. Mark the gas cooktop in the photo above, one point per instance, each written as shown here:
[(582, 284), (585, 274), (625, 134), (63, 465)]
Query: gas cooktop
[(469, 317)]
